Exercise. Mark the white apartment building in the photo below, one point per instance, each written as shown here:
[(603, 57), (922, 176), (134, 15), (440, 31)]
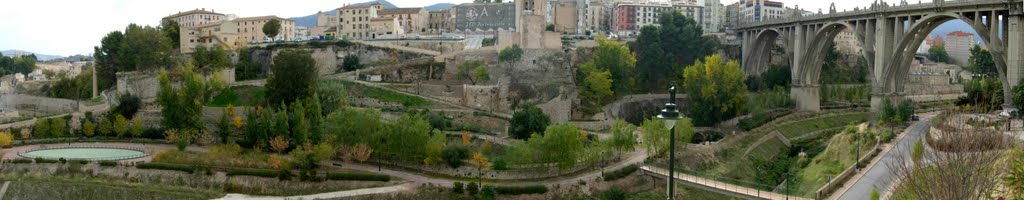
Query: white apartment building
[(195, 17), (759, 10)]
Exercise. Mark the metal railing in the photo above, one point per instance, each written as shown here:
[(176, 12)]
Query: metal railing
[(727, 184), (45, 147)]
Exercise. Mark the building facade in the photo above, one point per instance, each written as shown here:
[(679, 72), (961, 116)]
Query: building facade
[(385, 27), (195, 17), (411, 20), (847, 44), (324, 21), (567, 16), (250, 29), (958, 44), (442, 21), (713, 15), (209, 35), (629, 18), (354, 21), (759, 10), (487, 17)]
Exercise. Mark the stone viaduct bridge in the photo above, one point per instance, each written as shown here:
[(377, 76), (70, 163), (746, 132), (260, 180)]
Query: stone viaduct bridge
[(890, 34)]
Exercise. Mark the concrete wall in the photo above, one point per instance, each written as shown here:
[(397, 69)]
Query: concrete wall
[(143, 84), (33, 105), (484, 97)]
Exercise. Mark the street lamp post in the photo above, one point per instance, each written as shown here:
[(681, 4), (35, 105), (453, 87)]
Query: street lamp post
[(670, 114)]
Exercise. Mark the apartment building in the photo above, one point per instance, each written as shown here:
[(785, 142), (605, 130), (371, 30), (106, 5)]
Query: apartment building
[(597, 16), (195, 17), (441, 21), (354, 21), (566, 16), (220, 33), (381, 27), (958, 44), (758, 10), (411, 20), (324, 22), (713, 16), (251, 28), (629, 17)]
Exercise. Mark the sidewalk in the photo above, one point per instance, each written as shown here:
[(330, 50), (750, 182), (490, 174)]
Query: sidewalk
[(329, 195), (721, 186), (880, 172)]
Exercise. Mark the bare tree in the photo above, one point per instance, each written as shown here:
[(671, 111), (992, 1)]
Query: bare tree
[(960, 162)]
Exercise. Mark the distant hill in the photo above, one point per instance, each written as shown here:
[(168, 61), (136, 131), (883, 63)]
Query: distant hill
[(41, 57), (440, 6), (310, 20)]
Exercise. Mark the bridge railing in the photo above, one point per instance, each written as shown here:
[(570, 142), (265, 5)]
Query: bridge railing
[(869, 10), (730, 184)]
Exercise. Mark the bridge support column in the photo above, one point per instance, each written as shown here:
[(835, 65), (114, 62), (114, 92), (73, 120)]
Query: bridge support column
[(806, 97), (1015, 50), (877, 99)]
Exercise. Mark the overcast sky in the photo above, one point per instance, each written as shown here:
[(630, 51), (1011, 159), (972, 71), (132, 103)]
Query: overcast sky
[(67, 27)]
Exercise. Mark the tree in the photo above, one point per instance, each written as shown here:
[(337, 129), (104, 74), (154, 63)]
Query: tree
[(407, 137), (616, 59), (181, 107), (597, 88), (527, 121), (454, 154), (656, 136), (511, 55), (106, 127), (488, 192), (136, 129), (300, 127), (917, 154), (58, 127), (777, 76), (715, 90), (127, 105), (88, 128), (41, 128), (106, 56), (6, 138), (562, 145), (623, 138), (981, 62), (120, 125), (481, 162), (272, 28), (1018, 96), (938, 53), (224, 127), (172, 30), (351, 63), (481, 74), (665, 49), (469, 70), (144, 47), (435, 147), (200, 56), (245, 68), (651, 57), (874, 194), (361, 152), (279, 144), (293, 76)]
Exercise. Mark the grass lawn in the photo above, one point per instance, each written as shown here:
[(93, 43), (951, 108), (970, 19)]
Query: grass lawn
[(355, 90), (794, 129), (83, 188), (239, 96), (839, 155)]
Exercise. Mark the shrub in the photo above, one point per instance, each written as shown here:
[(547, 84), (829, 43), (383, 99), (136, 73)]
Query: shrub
[(473, 188), (62, 160), (167, 166), (43, 160), (887, 136), (21, 161), (487, 193), (457, 188), (454, 154), (499, 164), (108, 163), (617, 174), (517, 190), (284, 175), (357, 177), (253, 172), (6, 138), (81, 162)]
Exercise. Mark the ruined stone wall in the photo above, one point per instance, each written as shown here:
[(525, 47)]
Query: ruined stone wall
[(38, 106), (146, 85), (329, 57), (434, 45), (484, 97)]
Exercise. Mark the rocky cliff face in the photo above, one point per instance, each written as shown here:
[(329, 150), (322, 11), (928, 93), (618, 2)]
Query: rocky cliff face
[(329, 57)]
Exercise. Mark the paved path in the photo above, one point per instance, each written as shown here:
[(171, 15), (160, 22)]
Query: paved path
[(329, 195), (735, 189), (877, 173), (4, 189), (151, 149)]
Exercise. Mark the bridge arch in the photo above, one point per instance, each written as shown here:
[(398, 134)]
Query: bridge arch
[(762, 45), (822, 42)]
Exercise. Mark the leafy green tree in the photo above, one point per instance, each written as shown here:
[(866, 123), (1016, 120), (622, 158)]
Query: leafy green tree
[(351, 63), (715, 90), (981, 62), (1018, 95), (245, 68), (353, 125), (777, 76), (481, 74), (315, 118), (107, 62), (623, 138), (511, 54), (656, 136), (200, 56), (562, 145), (435, 148), (136, 128), (41, 129), (294, 76), (527, 121), (143, 48), (331, 96), (181, 108), (650, 61), (470, 70), (172, 30), (300, 127), (106, 127), (663, 50), (120, 125), (454, 154), (127, 105), (88, 128), (407, 137), (58, 127), (938, 53), (616, 59), (272, 28), (224, 127), (281, 124), (597, 88)]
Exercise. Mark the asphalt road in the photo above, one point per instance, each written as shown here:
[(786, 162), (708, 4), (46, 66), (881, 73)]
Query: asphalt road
[(879, 174)]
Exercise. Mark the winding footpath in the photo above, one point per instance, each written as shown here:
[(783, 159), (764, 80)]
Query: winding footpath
[(878, 174)]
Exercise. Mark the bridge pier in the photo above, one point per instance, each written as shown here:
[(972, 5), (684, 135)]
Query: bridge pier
[(807, 97), (878, 98), (1014, 52)]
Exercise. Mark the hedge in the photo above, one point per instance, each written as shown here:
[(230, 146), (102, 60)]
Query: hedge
[(617, 174), (80, 161), (108, 163), (514, 190), (357, 177), (269, 173), (43, 160), (167, 166), (21, 161)]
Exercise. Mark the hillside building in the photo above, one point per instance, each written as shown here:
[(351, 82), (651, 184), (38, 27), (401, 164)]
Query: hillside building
[(958, 44), (411, 20), (197, 17)]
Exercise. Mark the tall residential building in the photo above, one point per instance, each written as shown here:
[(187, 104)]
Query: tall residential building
[(566, 15), (713, 16), (597, 16), (759, 10), (411, 20), (441, 21), (958, 44), (628, 17), (195, 17), (732, 15), (251, 28), (354, 21)]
